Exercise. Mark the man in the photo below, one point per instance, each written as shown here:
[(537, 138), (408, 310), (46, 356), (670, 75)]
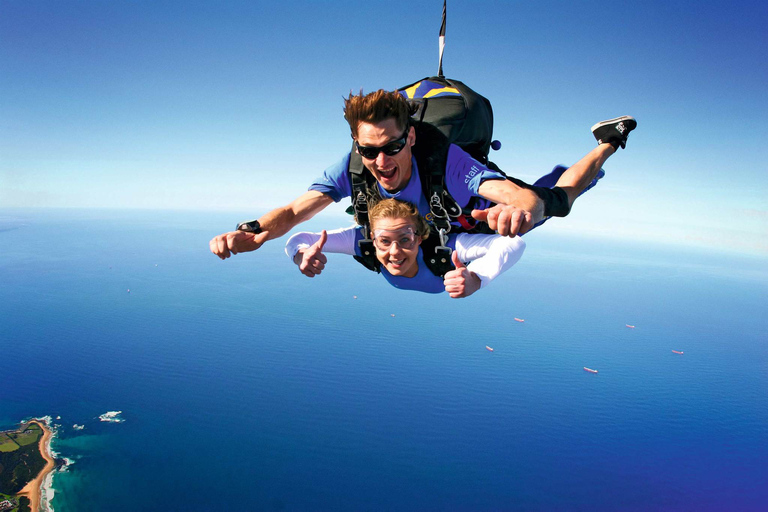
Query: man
[(384, 139)]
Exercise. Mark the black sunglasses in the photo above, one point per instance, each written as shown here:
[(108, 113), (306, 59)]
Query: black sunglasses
[(389, 149)]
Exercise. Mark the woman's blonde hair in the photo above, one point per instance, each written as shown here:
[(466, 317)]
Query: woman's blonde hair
[(396, 209)]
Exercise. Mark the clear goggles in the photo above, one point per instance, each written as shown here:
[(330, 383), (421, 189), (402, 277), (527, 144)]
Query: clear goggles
[(383, 239)]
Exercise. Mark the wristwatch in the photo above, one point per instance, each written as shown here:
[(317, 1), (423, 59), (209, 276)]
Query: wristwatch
[(251, 226)]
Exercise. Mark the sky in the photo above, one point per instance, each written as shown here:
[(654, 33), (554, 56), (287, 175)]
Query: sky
[(237, 106)]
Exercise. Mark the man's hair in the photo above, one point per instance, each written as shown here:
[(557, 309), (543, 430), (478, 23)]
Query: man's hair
[(376, 107), (396, 209)]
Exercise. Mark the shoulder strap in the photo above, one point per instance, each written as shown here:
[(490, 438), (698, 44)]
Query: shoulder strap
[(368, 255), (431, 153), (362, 191)]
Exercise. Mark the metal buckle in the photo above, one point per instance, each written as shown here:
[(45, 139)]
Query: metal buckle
[(436, 207), (442, 251), (361, 203)]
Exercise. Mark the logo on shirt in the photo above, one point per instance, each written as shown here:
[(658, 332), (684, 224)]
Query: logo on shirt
[(429, 217), (471, 174)]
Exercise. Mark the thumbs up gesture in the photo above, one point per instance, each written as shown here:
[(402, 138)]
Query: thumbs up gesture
[(460, 282), (311, 261)]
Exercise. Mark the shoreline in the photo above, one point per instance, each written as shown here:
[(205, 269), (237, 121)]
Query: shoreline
[(33, 489)]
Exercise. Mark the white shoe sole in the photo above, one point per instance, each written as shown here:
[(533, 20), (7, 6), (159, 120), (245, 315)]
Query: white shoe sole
[(612, 121)]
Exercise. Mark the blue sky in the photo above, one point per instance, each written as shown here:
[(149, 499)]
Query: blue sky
[(237, 105)]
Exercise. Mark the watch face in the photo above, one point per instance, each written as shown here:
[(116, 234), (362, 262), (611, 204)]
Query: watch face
[(249, 227)]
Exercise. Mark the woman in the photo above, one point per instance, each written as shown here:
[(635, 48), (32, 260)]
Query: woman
[(398, 232)]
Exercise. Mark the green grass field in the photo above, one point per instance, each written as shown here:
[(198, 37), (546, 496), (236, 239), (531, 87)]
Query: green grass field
[(7, 444), (29, 436)]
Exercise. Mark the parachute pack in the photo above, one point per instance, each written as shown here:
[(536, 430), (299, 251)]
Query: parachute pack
[(461, 114)]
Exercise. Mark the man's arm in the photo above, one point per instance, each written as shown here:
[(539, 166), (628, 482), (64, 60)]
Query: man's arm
[(273, 225), (517, 211)]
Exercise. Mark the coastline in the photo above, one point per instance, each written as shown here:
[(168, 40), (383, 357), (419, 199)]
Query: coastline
[(34, 487)]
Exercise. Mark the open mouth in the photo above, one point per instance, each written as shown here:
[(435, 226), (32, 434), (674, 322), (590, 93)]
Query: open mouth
[(388, 174), (397, 263)]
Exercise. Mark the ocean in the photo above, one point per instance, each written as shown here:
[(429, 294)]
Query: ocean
[(243, 385)]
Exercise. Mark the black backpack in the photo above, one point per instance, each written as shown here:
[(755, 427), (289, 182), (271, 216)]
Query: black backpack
[(462, 115)]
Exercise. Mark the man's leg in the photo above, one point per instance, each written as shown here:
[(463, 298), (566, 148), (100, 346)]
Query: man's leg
[(579, 175), (610, 135)]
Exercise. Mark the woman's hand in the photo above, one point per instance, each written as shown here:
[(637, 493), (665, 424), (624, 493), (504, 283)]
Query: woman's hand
[(311, 261), (460, 282)]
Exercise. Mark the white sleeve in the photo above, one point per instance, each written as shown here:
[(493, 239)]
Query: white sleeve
[(340, 241), (489, 255)]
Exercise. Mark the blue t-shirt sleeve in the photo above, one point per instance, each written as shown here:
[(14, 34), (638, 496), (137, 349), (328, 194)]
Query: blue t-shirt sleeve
[(464, 174), (335, 181)]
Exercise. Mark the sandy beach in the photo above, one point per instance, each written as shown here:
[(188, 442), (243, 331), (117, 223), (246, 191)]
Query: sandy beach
[(32, 489)]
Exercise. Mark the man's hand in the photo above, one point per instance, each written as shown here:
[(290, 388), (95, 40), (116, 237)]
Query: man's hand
[(507, 220), (311, 261), (273, 224), (234, 242), (460, 282)]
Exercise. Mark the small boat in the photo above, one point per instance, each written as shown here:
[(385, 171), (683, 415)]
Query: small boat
[(630, 326), (489, 349), (678, 352), (354, 296), (590, 370), (393, 315), (519, 320)]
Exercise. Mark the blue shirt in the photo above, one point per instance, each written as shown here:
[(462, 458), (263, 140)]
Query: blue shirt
[(423, 281), (463, 176)]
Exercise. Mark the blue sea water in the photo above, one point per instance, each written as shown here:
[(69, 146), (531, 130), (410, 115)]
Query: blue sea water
[(246, 386)]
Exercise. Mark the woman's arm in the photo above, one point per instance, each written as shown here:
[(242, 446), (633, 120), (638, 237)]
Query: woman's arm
[(306, 249), (489, 255), (340, 241)]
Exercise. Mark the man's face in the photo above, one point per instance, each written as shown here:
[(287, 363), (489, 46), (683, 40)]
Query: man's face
[(391, 171)]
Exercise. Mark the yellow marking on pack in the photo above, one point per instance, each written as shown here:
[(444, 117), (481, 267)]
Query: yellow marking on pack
[(412, 90), (435, 92)]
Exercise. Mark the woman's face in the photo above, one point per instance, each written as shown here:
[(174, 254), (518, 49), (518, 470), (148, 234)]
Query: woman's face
[(397, 245)]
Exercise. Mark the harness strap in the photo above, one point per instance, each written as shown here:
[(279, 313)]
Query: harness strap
[(437, 254), (431, 153), (464, 220), (361, 191), (368, 255)]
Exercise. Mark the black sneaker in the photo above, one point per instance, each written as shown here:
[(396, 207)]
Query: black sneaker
[(614, 131)]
